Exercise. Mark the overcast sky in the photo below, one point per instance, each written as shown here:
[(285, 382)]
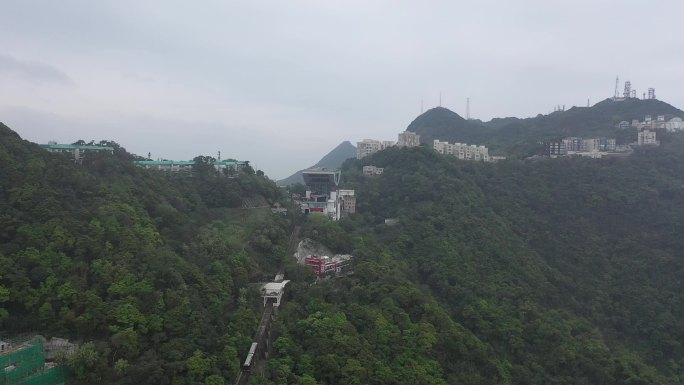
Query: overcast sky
[(280, 83)]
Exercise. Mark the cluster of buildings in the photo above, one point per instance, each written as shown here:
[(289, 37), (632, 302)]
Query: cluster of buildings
[(661, 122), (462, 150), (576, 146), (595, 147), (370, 146), (80, 152), (323, 195)]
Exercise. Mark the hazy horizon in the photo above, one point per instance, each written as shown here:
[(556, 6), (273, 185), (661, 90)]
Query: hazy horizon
[(282, 84)]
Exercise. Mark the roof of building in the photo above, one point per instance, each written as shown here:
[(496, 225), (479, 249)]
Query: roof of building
[(273, 288), (76, 147), (322, 170), (318, 175)]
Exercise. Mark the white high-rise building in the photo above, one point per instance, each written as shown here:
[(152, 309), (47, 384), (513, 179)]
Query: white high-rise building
[(371, 146), (408, 139), (646, 137), (462, 150), (367, 147)]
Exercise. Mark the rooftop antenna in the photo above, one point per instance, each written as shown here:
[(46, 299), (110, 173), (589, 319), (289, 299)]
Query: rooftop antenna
[(467, 108), (617, 84)]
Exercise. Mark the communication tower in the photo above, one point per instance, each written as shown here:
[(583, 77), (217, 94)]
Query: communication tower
[(628, 89), (651, 93), (617, 84)]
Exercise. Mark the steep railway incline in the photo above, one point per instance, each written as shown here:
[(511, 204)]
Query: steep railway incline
[(261, 343)]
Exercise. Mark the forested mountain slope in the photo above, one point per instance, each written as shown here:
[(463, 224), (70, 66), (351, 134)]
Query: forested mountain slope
[(558, 271), (148, 272), (555, 271)]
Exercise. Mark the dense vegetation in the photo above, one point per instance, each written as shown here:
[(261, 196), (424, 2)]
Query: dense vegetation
[(149, 272), (552, 271), (556, 271)]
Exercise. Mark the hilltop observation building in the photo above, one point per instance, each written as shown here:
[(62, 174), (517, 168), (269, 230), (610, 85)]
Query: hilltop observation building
[(323, 194), (321, 180), (77, 151)]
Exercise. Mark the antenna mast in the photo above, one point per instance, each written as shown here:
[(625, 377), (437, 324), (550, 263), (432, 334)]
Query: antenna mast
[(467, 108), (440, 98), (617, 83)]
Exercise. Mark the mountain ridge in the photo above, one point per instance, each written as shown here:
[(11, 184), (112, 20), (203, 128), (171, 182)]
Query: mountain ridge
[(509, 135), (333, 159)]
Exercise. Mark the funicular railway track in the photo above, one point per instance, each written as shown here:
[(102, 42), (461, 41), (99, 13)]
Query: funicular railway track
[(261, 343), (260, 346)]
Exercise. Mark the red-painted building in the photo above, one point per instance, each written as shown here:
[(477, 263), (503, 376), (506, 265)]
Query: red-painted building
[(324, 265)]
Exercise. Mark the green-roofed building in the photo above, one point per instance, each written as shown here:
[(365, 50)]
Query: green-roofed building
[(78, 151), (186, 166)]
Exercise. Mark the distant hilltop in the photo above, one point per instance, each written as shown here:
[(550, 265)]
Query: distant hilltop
[(333, 159), (516, 137)]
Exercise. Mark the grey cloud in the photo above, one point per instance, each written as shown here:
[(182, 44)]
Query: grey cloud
[(33, 71)]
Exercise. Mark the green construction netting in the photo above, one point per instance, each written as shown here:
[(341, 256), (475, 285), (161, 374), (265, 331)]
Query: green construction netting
[(53, 376), (25, 366)]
